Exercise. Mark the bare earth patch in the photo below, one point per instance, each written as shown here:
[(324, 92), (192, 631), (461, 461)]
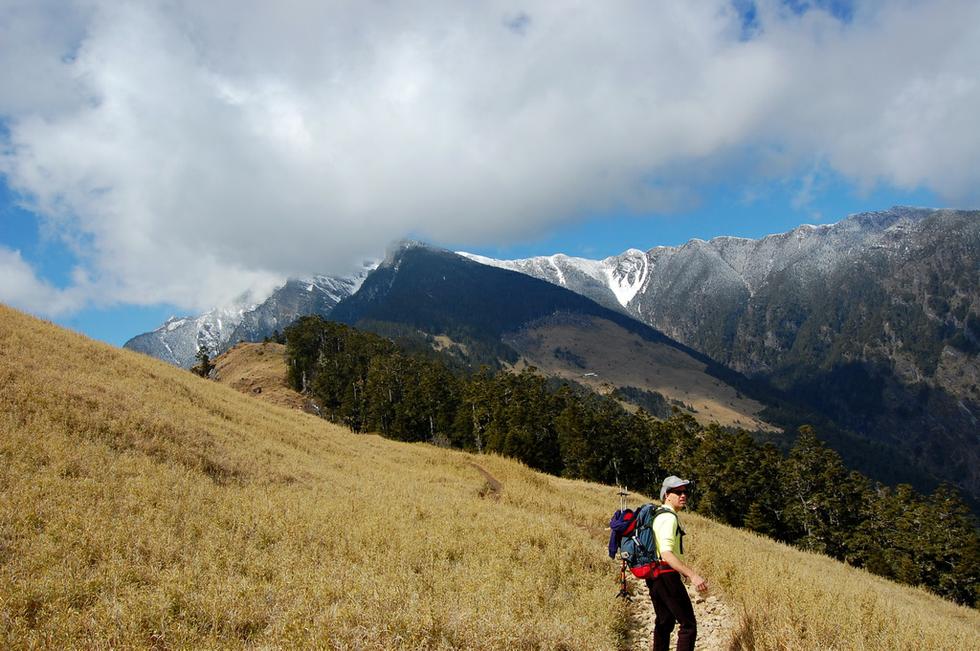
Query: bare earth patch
[(259, 370), (493, 487), (443, 342)]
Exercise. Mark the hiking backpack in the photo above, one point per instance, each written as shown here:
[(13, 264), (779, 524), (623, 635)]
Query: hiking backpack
[(632, 536)]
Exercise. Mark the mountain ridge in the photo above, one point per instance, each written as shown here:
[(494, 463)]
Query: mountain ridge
[(873, 320), (178, 340)]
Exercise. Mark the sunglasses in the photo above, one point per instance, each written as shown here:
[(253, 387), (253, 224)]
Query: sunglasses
[(679, 492)]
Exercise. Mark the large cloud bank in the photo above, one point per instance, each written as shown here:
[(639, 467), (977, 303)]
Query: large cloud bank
[(187, 151)]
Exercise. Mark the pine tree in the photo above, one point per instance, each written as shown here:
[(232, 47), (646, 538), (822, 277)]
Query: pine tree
[(823, 502), (204, 365), (950, 546)]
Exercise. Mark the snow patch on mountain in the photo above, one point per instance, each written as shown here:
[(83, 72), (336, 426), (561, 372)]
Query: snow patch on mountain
[(626, 274), (612, 282)]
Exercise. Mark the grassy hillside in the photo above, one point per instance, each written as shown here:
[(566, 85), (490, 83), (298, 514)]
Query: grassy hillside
[(141, 506), (259, 369)]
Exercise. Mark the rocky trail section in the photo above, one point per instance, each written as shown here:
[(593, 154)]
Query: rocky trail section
[(716, 619)]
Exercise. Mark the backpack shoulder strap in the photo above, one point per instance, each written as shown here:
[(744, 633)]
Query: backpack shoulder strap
[(663, 509)]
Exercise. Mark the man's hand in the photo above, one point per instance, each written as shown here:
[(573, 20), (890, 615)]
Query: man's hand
[(676, 563), (699, 583)]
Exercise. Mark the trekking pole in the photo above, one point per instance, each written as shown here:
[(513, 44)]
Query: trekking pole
[(622, 489), (624, 592)]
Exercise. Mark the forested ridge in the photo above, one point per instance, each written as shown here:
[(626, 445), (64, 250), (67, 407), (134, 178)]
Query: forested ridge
[(873, 322), (807, 498), (419, 290)]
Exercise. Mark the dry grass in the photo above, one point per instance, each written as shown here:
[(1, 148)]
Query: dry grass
[(788, 599), (258, 370), (141, 506), (619, 358)]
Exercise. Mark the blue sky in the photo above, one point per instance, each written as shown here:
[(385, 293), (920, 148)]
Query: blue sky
[(164, 158), (725, 211), (741, 212)]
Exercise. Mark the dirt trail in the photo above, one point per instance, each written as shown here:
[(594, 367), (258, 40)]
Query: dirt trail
[(716, 620), (493, 487)]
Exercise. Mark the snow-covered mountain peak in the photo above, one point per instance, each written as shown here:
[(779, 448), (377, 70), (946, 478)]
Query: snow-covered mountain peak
[(173, 323), (612, 282), (340, 286), (247, 319), (395, 250)]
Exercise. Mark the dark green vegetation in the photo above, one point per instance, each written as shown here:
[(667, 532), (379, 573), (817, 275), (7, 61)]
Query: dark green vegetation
[(421, 290), (204, 365), (808, 498), (651, 402)]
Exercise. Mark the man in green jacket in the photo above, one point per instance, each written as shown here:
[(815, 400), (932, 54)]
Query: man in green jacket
[(670, 601)]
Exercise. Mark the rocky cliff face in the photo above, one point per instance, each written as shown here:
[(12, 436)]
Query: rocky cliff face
[(899, 286)]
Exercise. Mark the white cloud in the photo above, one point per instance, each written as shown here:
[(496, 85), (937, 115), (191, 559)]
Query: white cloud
[(195, 150), (20, 286)]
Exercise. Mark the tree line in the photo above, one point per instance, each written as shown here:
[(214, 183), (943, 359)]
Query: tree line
[(807, 498)]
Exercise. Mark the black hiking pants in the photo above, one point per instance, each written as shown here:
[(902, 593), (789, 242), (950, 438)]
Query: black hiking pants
[(672, 605)]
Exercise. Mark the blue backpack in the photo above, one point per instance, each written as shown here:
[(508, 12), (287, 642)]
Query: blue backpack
[(632, 535)]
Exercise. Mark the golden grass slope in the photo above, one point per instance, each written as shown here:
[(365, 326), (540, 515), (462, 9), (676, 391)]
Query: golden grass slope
[(144, 507), (258, 370)]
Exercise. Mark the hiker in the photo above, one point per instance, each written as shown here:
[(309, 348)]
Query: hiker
[(670, 600)]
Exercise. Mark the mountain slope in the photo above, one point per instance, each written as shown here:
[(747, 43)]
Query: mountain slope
[(514, 317), (873, 321), (421, 285), (145, 507), (612, 282), (605, 356), (178, 340)]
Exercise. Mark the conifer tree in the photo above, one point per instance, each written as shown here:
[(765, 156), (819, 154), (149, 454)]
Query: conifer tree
[(204, 365), (951, 546), (823, 500)]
